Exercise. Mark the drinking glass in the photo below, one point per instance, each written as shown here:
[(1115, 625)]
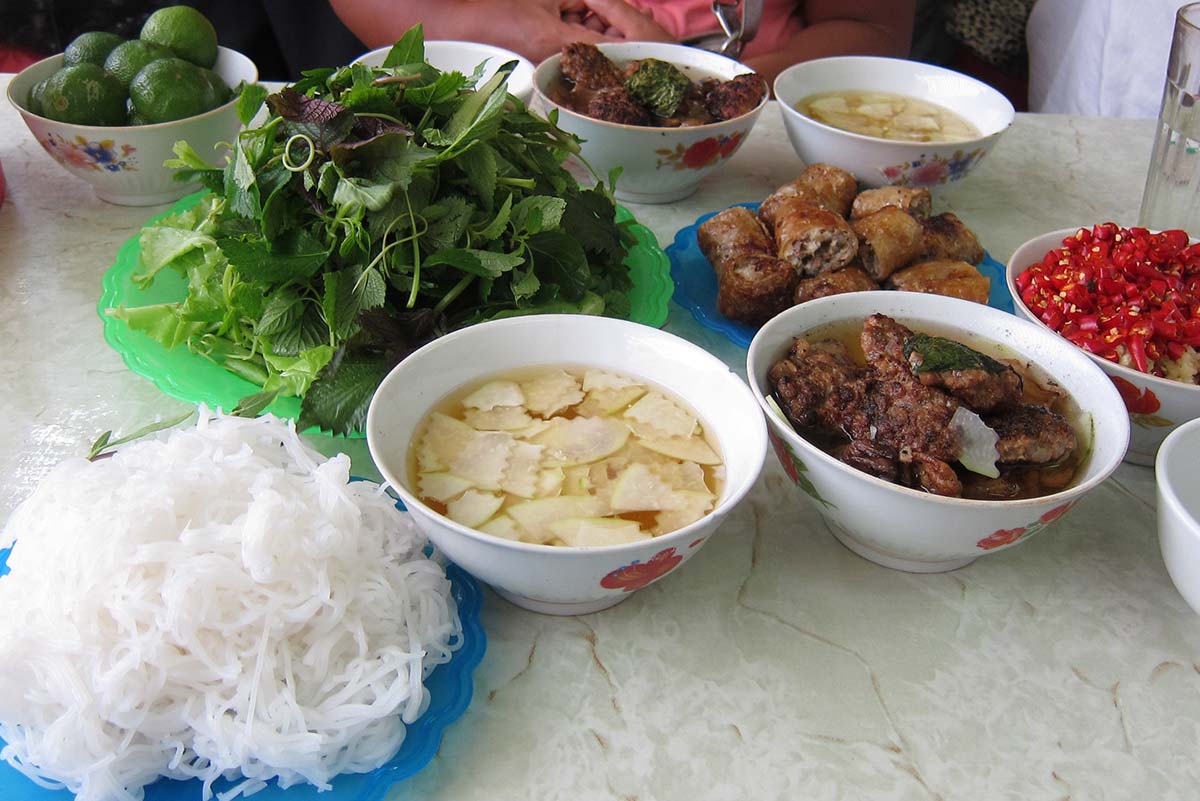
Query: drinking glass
[(1172, 196)]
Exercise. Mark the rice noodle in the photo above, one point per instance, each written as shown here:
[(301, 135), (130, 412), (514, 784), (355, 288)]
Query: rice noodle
[(218, 602)]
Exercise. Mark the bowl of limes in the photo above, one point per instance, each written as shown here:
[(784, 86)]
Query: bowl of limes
[(110, 111)]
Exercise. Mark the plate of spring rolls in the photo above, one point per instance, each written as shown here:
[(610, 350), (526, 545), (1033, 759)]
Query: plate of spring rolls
[(819, 235)]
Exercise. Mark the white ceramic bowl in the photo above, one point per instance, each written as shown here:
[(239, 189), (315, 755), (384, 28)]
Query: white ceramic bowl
[(566, 580), (912, 530), (124, 164), (451, 56), (658, 165), (1178, 483), (1156, 405), (880, 162)]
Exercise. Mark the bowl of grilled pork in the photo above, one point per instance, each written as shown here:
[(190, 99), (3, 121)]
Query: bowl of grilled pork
[(929, 430), (666, 115)]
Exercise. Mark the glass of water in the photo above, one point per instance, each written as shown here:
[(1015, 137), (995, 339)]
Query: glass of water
[(1172, 196)]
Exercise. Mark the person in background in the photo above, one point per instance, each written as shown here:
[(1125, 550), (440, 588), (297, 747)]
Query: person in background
[(1099, 58), (791, 31)]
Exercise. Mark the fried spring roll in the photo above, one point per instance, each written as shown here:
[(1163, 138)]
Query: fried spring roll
[(916, 202), (752, 284), (851, 279), (831, 188), (888, 240), (956, 279), (947, 238), (810, 238)]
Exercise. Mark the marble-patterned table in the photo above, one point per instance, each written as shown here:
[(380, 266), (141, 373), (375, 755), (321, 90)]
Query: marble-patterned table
[(777, 664)]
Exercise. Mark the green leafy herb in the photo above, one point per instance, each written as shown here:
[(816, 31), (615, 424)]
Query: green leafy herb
[(375, 209), (939, 354)]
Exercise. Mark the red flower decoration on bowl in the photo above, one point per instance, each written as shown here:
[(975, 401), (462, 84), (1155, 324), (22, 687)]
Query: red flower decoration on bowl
[(700, 154), (1055, 513), (636, 575), (1005, 536), (1136, 401)]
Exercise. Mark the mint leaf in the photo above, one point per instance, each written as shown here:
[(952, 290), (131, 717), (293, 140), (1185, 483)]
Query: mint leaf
[(478, 163), (538, 213), (296, 255), (499, 223), (448, 229), (250, 101), (442, 89), (557, 256), (338, 402), (355, 193), (483, 263), (409, 50)]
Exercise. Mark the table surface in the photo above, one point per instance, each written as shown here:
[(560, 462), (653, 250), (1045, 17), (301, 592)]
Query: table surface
[(778, 663)]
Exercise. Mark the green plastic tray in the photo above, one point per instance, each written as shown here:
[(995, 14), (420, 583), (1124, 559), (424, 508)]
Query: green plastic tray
[(191, 377)]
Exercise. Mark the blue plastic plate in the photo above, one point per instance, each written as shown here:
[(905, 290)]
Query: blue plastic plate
[(696, 284), (450, 688)]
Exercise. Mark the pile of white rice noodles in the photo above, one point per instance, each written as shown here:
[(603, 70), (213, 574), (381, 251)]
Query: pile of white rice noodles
[(219, 602)]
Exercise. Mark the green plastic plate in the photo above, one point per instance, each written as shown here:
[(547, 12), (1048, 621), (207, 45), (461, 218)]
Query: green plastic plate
[(194, 378)]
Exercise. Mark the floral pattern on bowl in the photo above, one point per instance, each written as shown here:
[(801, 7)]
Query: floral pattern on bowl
[(1007, 536), (933, 169), (102, 155), (796, 469), (1141, 403), (636, 575), (699, 154)]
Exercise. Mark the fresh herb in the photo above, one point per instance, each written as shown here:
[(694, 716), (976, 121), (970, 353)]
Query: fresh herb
[(939, 354), (373, 210), (658, 85), (104, 443)]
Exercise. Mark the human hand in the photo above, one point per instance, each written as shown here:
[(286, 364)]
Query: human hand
[(620, 20)]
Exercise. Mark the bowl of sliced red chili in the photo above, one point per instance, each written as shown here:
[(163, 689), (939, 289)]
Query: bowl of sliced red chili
[(1130, 299)]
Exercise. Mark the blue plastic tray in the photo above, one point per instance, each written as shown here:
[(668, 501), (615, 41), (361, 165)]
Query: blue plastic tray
[(696, 284), (450, 688)]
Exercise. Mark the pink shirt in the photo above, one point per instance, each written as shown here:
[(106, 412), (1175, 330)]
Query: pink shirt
[(686, 19)]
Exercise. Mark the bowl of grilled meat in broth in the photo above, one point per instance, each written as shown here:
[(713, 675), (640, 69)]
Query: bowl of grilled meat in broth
[(928, 430), (667, 115)]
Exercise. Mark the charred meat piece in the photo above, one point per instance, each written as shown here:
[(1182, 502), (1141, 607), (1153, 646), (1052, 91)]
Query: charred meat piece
[(888, 240), (916, 202), (850, 279), (982, 384), (819, 386), (752, 284), (883, 344), (947, 238), (736, 97), (913, 418), (587, 68), (869, 457), (808, 237), (936, 476), (1032, 435), (949, 277), (617, 105)]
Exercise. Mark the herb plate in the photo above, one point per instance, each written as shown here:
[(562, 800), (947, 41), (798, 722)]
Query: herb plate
[(450, 689), (696, 284), (194, 378)]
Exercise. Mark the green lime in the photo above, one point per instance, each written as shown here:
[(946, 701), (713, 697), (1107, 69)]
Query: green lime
[(84, 94), (137, 119), (218, 90), (128, 58), (169, 89), (35, 97), (185, 31), (90, 48)]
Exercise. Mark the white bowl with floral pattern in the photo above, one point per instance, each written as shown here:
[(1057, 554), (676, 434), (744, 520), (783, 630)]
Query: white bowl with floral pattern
[(881, 162), (911, 530), (1156, 406), (658, 165), (124, 164), (564, 580)]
